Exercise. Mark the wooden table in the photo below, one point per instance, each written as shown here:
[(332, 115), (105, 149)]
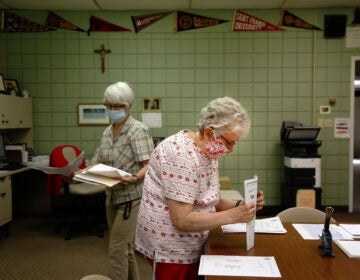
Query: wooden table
[(296, 258)]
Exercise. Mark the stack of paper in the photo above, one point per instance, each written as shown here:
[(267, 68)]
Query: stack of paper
[(350, 248), (268, 225), (100, 174)]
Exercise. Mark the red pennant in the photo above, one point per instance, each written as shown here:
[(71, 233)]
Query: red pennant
[(245, 22), (56, 21), (186, 21), (15, 23), (140, 22), (100, 25)]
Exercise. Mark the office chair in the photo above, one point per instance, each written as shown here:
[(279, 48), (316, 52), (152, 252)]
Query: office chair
[(57, 186), (303, 215)]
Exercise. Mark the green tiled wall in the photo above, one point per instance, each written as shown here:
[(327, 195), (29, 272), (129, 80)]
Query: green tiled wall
[(271, 73)]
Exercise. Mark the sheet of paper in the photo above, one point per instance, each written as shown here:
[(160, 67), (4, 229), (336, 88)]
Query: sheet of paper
[(250, 191), (65, 171), (350, 248), (314, 231), (107, 171), (353, 229), (267, 225), (238, 266)]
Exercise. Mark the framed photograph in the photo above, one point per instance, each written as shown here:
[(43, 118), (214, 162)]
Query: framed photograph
[(2, 86), (151, 104), (12, 87), (92, 114)]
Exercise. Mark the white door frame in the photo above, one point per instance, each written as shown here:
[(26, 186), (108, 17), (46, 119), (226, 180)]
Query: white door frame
[(351, 144)]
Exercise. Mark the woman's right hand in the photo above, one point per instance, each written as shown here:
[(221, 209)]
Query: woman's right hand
[(243, 213)]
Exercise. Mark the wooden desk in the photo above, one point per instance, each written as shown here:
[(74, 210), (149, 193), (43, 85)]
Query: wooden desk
[(296, 258)]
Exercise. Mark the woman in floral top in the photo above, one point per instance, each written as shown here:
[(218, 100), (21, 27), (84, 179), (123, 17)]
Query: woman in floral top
[(181, 200)]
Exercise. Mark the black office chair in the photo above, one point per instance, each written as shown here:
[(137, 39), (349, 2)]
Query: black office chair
[(75, 196)]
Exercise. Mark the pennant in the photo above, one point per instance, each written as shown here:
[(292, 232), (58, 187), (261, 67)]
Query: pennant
[(288, 19), (186, 21), (245, 22), (56, 21), (100, 25), (13, 23), (141, 22)]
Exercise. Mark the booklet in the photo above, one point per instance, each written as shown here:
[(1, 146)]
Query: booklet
[(350, 247), (100, 174)]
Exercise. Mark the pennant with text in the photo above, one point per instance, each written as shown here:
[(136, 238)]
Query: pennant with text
[(289, 19), (141, 22), (186, 21), (245, 22), (56, 21), (100, 25), (13, 23)]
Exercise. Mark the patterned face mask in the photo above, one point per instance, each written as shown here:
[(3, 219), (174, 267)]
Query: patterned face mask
[(216, 148)]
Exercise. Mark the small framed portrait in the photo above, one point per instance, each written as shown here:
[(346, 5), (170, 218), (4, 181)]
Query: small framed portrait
[(92, 114), (12, 87), (2, 86), (151, 104)]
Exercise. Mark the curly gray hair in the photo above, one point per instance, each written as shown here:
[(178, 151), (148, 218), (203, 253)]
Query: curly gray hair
[(225, 114)]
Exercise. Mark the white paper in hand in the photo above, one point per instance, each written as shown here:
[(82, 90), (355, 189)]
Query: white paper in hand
[(107, 171), (250, 190)]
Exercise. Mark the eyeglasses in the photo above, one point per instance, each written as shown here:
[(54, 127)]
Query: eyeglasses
[(115, 106), (227, 142)]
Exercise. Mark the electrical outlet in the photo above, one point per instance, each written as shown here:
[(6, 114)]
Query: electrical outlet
[(329, 123)]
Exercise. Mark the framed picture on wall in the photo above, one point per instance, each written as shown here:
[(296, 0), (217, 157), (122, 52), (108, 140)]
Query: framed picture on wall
[(151, 104), (2, 87), (92, 114), (12, 87)]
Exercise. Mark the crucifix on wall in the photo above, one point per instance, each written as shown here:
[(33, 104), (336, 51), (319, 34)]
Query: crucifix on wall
[(102, 53)]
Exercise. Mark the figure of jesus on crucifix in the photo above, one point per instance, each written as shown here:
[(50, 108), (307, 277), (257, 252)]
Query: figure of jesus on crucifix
[(102, 53)]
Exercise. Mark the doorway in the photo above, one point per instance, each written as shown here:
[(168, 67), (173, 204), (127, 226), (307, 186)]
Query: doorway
[(354, 178)]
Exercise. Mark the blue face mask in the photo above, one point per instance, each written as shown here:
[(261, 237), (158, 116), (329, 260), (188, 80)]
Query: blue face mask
[(116, 116)]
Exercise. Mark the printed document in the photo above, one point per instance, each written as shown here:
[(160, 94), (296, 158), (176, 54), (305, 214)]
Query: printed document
[(267, 225), (353, 229), (250, 190), (238, 266), (314, 231), (65, 171)]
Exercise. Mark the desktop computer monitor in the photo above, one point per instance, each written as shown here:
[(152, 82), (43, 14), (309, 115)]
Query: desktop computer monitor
[(2, 147)]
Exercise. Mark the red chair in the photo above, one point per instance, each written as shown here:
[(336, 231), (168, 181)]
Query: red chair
[(75, 195)]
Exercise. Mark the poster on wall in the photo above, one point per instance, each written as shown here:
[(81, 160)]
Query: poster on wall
[(342, 128)]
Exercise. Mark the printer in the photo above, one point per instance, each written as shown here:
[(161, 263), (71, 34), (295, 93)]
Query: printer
[(302, 163)]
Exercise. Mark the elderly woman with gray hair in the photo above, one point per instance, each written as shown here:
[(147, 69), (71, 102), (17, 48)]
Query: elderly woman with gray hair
[(181, 200), (125, 144)]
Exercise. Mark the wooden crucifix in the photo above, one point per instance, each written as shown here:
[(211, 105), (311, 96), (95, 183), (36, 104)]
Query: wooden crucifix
[(102, 53)]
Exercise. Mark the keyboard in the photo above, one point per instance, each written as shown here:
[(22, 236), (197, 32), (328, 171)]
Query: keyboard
[(12, 166)]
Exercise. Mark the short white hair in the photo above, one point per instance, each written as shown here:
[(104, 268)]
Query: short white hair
[(226, 115), (119, 93)]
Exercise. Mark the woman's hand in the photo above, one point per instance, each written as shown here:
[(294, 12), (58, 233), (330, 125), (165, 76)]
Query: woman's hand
[(260, 202)]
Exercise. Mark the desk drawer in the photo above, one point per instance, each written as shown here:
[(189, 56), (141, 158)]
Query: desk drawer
[(5, 200)]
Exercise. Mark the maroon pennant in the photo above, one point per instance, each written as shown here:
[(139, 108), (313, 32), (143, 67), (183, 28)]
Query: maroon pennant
[(14, 23), (141, 22), (245, 22), (100, 25), (56, 21)]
